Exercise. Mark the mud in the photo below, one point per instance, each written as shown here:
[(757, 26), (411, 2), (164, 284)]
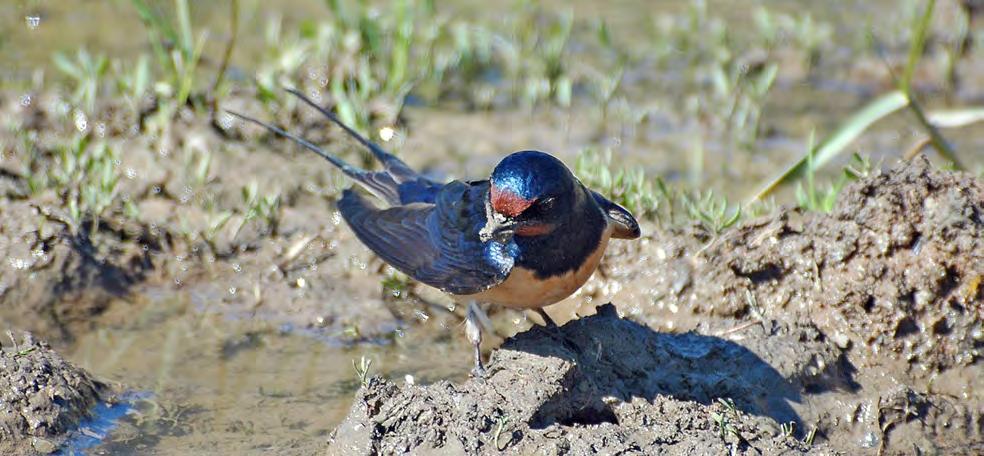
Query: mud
[(42, 396), (869, 317), (55, 279), (58, 276), (894, 271), (863, 328), (601, 384), (891, 277)]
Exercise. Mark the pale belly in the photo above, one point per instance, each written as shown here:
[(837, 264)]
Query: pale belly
[(522, 290)]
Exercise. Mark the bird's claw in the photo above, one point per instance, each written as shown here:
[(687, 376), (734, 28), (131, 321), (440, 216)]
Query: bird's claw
[(478, 372), (547, 321)]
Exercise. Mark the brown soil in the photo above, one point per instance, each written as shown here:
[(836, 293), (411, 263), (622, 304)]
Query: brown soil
[(54, 279), (601, 384), (894, 272), (42, 397)]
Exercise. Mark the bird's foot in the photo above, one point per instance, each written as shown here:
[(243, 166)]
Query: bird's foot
[(479, 371), (547, 321), (473, 329)]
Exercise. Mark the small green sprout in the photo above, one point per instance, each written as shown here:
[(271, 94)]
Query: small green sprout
[(714, 213), (812, 435), (500, 428), (87, 73), (787, 429), (362, 369), (264, 208)]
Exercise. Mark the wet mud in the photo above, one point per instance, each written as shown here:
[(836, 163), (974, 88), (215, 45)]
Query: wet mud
[(895, 270), (600, 384), (54, 279), (42, 396), (855, 332)]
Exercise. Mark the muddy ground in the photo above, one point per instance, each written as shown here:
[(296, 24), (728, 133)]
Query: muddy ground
[(598, 385), (857, 332), (862, 327)]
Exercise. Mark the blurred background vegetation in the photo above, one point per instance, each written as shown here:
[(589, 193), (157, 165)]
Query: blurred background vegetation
[(690, 112), (695, 114)]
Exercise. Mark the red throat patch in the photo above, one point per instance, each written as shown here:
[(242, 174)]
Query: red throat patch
[(508, 203)]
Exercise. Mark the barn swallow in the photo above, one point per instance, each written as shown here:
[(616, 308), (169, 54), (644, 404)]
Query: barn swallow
[(527, 237)]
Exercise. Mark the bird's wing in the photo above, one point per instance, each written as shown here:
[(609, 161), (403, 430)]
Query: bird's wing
[(435, 243)]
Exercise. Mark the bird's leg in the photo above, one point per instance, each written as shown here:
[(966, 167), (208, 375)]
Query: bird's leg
[(547, 321), (473, 329)]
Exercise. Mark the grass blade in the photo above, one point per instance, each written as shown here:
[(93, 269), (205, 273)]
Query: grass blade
[(66, 66), (186, 42), (916, 47), (836, 143), (858, 123), (158, 30), (955, 118)]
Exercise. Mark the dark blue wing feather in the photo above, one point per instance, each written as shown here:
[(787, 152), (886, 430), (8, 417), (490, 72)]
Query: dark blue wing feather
[(421, 190), (435, 243)]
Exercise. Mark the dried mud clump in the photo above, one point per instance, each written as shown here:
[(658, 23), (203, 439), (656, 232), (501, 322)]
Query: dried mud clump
[(598, 385), (912, 283), (896, 270), (42, 397)]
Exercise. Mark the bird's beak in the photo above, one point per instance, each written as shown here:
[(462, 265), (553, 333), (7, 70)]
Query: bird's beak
[(498, 228), (503, 234)]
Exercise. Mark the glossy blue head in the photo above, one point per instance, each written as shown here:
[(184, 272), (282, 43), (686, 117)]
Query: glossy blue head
[(534, 188)]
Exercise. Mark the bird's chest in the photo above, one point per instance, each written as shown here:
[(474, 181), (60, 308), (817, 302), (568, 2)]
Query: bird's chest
[(522, 289)]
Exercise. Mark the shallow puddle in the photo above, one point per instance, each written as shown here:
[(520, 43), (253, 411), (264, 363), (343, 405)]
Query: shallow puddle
[(206, 383)]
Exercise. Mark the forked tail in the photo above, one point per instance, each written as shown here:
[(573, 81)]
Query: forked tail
[(383, 184)]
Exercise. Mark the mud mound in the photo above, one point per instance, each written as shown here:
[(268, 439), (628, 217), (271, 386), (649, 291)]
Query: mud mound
[(41, 397), (912, 286), (896, 270), (600, 384), (893, 277)]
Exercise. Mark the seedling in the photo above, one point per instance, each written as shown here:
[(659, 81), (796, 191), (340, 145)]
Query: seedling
[(87, 73), (264, 208), (787, 429), (714, 213), (362, 370), (500, 428)]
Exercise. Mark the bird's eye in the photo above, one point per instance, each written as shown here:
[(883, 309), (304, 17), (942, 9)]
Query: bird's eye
[(541, 207)]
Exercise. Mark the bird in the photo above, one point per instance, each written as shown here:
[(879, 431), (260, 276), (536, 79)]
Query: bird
[(528, 236)]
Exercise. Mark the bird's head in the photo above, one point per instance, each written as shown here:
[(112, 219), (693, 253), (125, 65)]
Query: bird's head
[(531, 193)]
